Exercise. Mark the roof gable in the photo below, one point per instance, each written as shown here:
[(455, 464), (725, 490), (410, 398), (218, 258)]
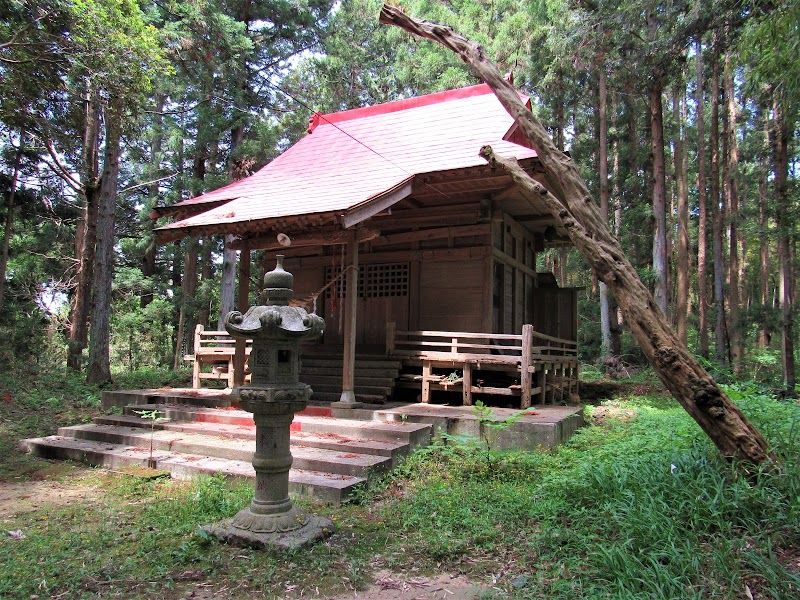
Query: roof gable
[(357, 156)]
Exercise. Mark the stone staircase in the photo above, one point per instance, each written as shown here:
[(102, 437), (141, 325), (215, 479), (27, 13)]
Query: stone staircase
[(331, 456), (375, 377)]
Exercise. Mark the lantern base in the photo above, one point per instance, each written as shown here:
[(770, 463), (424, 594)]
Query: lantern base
[(314, 530)]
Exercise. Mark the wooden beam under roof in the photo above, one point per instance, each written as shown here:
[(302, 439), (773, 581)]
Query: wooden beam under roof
[(324, 237)]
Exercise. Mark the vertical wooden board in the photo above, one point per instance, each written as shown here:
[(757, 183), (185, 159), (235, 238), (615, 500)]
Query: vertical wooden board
[(519, 300), (508, 300), (451, 295), (309, 281), (413, 295), (555, 312), (488, 288), (498, 285), (374, 313)]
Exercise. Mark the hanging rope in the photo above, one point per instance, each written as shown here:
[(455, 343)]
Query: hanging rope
[(342, 271), (313, 297)]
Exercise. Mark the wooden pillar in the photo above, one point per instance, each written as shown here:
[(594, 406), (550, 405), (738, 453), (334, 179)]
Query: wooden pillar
[(427, 370), (350, 329), (242, 304), (525, 379), (467, 385)]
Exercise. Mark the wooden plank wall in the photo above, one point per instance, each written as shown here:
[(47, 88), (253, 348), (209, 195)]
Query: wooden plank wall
[(514, 254), (451, 295)]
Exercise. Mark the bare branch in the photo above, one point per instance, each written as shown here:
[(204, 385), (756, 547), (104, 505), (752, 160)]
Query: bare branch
[(146, 183)]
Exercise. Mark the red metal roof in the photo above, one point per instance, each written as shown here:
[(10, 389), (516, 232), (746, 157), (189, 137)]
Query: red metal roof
[(354, 157)]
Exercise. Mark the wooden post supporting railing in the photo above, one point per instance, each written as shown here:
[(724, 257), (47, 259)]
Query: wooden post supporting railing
[(525, 365)]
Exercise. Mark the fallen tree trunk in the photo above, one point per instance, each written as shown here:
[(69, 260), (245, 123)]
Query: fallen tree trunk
[(568, 198)]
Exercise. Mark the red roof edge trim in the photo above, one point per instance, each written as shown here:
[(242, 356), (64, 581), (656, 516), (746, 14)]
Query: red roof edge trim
[(398, 105)]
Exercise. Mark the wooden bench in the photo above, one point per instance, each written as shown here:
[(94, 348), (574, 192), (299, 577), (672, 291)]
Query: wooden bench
[(214, 349), (546, 366)]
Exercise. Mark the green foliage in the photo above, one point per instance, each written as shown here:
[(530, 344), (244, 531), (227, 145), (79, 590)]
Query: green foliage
[(639, 505), (141, 337)]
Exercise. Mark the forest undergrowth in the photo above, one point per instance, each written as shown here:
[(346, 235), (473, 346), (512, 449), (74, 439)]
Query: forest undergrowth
[(638, 504)]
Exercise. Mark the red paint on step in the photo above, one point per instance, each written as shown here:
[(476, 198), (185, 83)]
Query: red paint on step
[(295, 426), (208, 417), (317, 411)]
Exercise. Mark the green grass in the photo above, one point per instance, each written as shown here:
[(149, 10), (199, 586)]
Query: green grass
[(636, 505)]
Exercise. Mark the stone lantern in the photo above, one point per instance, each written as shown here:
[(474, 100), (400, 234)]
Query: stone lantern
[(273, 396)]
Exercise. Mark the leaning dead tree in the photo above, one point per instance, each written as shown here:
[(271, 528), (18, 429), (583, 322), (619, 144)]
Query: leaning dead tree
[(568, 198)]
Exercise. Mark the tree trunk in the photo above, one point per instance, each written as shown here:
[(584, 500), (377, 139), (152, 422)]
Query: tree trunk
[(702, 224), (187, 318), (682, 272), (763, 252), (204, 309), (717, 212), (605, 311), (149, 254), (616, 322), (228, 286), (660, 263), (99, 368), (85, 235), (569, 200), (783, 205), (10, 219), (732, 202)]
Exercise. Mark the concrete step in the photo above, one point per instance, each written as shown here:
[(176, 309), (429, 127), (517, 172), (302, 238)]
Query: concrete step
[(340, 462), (322, 487), (327, 440), (413, 433)]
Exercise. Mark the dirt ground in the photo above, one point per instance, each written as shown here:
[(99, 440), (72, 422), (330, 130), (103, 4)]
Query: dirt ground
[(19, 498), (389, 586)]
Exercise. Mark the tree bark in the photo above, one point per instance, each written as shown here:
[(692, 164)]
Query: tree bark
[(732, 202), (780, 157), (569, 200), (702, 206), (99, 368), (10, 218), (717, 212), (227, 294), (682, 272), (204, 309), (605, 311), (660, 263), (617, 321), (86, 234), (763, 252), (188, 314), (149, 254)]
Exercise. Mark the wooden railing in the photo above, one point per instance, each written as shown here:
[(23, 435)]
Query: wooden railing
[(533, 354), (216, 349)]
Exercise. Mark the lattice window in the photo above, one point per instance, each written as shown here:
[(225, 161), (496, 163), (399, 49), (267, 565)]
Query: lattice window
[(385, 280), (374, 281)]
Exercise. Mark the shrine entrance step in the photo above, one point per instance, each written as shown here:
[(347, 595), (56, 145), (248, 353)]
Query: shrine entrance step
[(331, 456)]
